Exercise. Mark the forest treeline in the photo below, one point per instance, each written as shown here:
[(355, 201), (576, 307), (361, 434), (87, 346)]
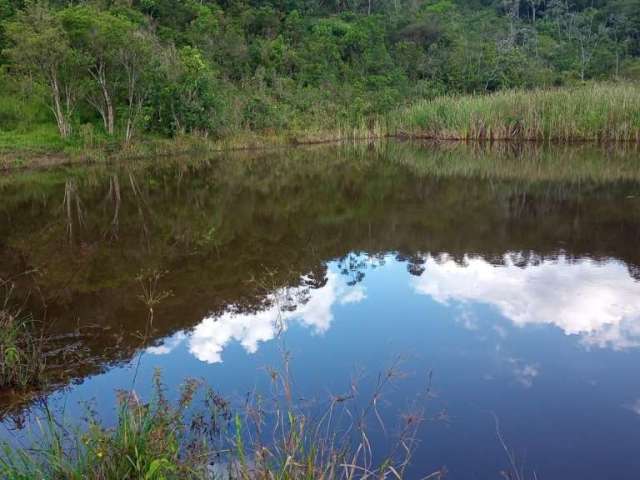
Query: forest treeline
[(125, 68)]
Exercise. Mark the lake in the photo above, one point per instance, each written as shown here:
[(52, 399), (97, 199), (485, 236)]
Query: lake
[(504, 278)]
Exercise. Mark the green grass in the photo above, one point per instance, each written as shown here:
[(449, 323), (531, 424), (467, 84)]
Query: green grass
[(42, 138), (145, 444), (22, 362), (265, 438), (592, 112)]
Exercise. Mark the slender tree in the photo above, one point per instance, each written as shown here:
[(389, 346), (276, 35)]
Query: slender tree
[(40, 48), (100, 36), (135, 56)]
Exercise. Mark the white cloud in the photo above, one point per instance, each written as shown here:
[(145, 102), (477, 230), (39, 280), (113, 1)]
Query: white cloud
[(599, 301)]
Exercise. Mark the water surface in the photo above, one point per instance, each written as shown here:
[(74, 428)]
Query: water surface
[(509, 274)]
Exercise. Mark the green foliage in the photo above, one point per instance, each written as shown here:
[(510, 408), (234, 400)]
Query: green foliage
[(171, 67), (184, 97), (6, 12), (150, 442)]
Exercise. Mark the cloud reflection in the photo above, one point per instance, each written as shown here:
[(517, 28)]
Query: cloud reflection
[(599, 301), (634, 406), (525, 373), (213, 334)]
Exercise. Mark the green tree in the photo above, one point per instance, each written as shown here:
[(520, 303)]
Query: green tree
[(40, 48), (6, 12), (185, 98), (136, 55), (587, 34), (100, 37)]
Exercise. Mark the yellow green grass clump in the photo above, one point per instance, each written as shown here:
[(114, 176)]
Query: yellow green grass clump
[(591, 112)]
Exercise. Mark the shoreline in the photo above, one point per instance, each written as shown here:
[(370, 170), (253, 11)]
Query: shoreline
[(34, 161), (593, 113)]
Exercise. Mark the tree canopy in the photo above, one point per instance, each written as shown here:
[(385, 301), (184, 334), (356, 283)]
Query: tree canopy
[(175, 66)]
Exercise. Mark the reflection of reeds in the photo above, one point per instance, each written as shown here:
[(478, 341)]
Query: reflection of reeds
[(527, 162), (151, 297)]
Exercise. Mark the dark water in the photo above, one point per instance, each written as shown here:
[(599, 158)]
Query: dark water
[(511, 274)]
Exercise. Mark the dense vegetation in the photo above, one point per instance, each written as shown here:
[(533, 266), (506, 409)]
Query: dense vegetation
[(111, 70)]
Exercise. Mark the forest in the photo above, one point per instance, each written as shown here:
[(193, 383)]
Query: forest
[(116, 70)]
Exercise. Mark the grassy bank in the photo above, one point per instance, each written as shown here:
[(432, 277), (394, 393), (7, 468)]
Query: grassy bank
[(33, 151), (598, 112), (595, 112)]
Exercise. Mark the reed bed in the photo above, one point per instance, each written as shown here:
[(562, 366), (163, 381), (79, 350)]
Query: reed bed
[(596, 112)]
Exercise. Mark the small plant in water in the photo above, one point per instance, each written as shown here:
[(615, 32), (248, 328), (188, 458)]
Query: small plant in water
[(272, 438)]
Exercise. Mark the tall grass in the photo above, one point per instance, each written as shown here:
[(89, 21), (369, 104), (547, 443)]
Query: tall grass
[(22, 362), (144, 444), (592, 112), (265, 438)]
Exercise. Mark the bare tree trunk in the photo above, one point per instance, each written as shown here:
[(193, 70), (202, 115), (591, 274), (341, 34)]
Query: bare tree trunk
[(59, 112), (135, 100), (131, 98), (512, 12), (105, 104), (134, 111), (108, 103), (110, 112), (128, 131)]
